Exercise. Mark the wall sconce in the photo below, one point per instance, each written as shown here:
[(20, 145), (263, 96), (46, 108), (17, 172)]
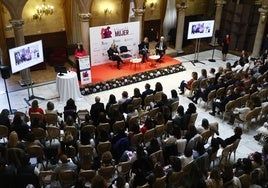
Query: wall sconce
[(107, 11), (152, 5)]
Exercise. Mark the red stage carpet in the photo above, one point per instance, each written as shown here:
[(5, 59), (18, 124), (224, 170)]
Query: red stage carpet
[(109, 70)]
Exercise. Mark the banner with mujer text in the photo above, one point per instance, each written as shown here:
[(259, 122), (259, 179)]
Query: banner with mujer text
[(85, 72), (101, 38)]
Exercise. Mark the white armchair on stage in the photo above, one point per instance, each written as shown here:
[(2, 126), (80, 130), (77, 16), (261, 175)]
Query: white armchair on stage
[(68, 87)]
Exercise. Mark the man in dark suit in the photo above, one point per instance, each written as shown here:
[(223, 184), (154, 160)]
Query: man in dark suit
[(222, 103), (147, 91), (144, 49), (160, 48), (96, 109)]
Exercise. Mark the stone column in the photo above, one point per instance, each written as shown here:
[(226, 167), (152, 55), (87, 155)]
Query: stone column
[(84, 21), (260, 31), (19, 40), (180, 27), (139, 17), (217, 23)]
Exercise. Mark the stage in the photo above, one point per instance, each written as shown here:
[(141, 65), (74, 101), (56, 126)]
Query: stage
[(107, 76), (109, 71)]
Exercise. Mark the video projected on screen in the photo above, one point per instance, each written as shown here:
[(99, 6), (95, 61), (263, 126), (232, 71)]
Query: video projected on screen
[(200, 29), (25, 56)]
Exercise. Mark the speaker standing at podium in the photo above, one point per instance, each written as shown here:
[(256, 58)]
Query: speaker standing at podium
[(79, 52)]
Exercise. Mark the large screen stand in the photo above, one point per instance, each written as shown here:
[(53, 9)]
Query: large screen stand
[(31, 96), (196, 52)]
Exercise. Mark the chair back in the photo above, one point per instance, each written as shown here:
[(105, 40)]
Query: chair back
[(123, 49), (136, 102), (211, 97), (47, 177), (86, 176), (158, 157), (148, 100), (192, 119), (148, 136), (225, 152), (136, 140), (3, 132), (39, 133), (37, 115), (234, 147), (123, 169), (159, 131), (81, 115), (118, 125), (206, 135), (228, 108), (103, 127), (67, 178), (203, 83), (23, 116), (187, 168), (103, 147), (174, 180), (194, 87), (132, 121), (220, 93), (71, 129), (174, 107), (53, 133), (107, 172), (168, 127), (35, 151), (159, 182), (90, 129), (264, 112), (51, 119), (144, 186), (245, 180), (158, 96), (67, 113), (85, 156)]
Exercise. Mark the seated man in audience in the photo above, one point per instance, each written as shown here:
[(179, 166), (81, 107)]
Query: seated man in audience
[(220, 104), (65, 164)]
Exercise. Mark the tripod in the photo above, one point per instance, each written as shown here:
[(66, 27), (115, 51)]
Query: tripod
[(196, 52), (5, 72), (213, 60), (32, 96)]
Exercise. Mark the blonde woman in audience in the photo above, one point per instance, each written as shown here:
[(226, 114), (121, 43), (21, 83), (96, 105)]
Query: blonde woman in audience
[(13, 141)]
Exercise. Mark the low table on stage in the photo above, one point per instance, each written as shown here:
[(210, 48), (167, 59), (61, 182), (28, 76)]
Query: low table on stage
[(135, 61), (67, 86), (154, 58)]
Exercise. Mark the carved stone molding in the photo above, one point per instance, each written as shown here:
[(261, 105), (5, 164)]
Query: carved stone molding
[(220, 2), (181, 6), (17, 23), (84, 17), (138, 11)]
